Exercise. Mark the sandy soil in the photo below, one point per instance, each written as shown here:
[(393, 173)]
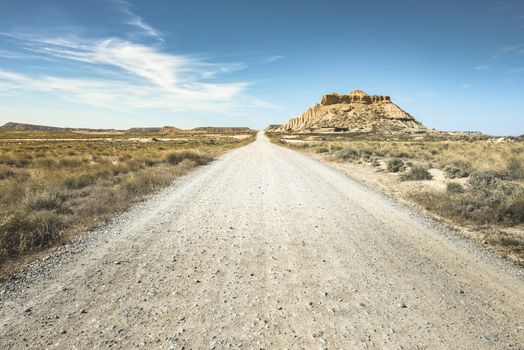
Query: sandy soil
[(268, 249)]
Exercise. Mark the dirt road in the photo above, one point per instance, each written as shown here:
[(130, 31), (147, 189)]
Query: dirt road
[(267, 249)]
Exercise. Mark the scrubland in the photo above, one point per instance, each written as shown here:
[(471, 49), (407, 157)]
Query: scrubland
[(475, 183), (55, 186)]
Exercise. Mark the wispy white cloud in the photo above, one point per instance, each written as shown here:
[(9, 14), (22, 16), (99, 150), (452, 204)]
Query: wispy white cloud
[(512, 49), (126, 96), (516, 70), (483, 67), (273, 58), (124, 75), (136, 21), (466, 85)]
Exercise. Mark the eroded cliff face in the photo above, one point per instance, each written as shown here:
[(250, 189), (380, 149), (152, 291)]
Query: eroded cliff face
[(356, 111)]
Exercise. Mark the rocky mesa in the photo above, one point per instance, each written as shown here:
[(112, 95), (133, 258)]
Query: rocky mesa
[(354, 112)]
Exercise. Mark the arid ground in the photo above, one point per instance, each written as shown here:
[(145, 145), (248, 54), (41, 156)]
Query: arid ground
[(267, 248), (472, 183), (56, 186)]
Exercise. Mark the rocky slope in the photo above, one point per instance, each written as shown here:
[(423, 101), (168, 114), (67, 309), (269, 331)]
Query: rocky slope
[(358, 112)]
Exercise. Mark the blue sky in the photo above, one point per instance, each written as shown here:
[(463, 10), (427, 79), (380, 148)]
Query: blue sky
[(454, 65)]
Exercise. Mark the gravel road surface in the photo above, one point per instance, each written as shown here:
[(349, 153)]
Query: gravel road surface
[(267, 249)]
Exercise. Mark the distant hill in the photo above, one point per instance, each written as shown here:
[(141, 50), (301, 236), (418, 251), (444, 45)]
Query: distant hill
[(11, 126), (170, 130), (207, 129), (143, 130)]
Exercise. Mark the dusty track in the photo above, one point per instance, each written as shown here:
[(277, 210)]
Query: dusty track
[(267, 248)]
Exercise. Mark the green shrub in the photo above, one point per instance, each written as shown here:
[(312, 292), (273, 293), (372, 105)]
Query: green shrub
[(321, 149), (394, 165), (416, 173), (454, 188), (458, 169)]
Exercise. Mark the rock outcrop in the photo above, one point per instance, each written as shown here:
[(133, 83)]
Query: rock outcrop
[(272, 127), (355, 112)]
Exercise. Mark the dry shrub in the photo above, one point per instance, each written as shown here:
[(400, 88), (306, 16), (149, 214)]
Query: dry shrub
[(454, 188), (347, 154), (416, 173), (52, 199), (457, 169), (515, 169), (26, 231), (6, 172), (394, 165), (79, 181), (199, 158)]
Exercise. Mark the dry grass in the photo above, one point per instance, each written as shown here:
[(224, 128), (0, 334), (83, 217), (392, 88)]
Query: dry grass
[(52, 190), (486, 194)]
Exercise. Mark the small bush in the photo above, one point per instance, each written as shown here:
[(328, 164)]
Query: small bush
[(76, 182), (416, 173), (23, 232), (6, 173), (514, 169), (454, 188), (347, 154), (394, 165), (375, 163), (399, 154), (366, 153), (458, 169), (52, 199), (483, 181), (322, 149), (198, 158)]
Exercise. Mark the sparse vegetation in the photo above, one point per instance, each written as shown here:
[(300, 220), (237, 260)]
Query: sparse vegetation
[(54, 189), (487, 200), (487, 194)]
